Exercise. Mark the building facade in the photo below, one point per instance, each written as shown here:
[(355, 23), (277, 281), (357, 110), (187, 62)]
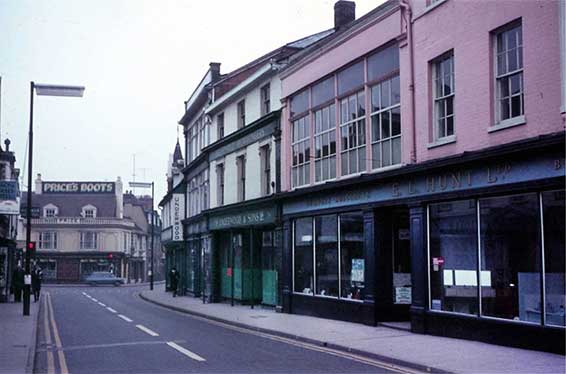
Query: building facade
[(423, 170), (10, 255), (82, 227)]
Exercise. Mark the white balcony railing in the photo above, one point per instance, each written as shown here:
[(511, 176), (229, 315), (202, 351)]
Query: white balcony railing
[(81, 221)]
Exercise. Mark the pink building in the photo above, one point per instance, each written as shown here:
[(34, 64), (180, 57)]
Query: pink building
[(423, 164)]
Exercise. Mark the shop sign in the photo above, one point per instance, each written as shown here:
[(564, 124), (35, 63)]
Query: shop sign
[(403, 295), (358, 266), (246, 140), (249, 218), (9, 201), (78, 187), (178, 203), (448, 180)]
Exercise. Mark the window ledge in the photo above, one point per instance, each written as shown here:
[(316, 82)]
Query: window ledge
[(387, 168), (442, 141), (511, 122)]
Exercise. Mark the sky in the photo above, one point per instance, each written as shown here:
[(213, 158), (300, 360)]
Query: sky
[(139, 61)]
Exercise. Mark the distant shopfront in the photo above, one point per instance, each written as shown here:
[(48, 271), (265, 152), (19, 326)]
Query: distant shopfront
[(414, 244), (74, 267)]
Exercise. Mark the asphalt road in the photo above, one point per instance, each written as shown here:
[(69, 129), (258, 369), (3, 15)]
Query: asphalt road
[(111, 330)]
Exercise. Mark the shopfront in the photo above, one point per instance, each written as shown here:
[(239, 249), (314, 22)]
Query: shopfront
[(247, 255), (197, 243), (473, 247), (75, 267)]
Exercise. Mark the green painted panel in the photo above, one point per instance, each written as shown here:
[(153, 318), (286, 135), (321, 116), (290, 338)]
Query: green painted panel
[(225, 284), (247, 281), (269, 282)]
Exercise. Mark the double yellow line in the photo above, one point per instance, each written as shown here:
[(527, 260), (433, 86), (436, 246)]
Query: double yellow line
[(49, 323)]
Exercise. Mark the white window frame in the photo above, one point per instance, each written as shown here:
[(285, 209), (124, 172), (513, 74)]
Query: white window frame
[(320, 135), (442, 99), (265, 97), (48, 240), (89, 211), (220, 182), (50, 210), (391, 137), (241, 113), (301, 142), (241, 175), (88, 243), (499, 122), (345, 126)]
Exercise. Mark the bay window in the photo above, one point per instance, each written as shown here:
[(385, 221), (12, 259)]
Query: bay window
[(300, 170), (325, 143), (386, 123), (353, 133)]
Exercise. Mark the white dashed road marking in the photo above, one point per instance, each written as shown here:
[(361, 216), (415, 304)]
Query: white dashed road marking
[(101, 304), (93, 299), (124, 318), (111, 310), (184, 351), (146, 330)]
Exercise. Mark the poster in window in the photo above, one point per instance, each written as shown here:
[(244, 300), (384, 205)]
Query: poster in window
[(403, 295), (358, 267)]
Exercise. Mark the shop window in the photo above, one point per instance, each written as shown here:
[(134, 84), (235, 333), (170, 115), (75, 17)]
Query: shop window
[(353, 133), (352, 260), (323, 92), (554, 211), (326, 232), (325, 143), (303, 256), (300, 170), (510, 257), (453, 257), (386, 123)]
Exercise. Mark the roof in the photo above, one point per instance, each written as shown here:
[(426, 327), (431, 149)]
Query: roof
[(177, 155), (70, 205)]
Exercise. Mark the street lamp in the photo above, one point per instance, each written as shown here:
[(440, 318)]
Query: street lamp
[(148, 185), (41, 90)]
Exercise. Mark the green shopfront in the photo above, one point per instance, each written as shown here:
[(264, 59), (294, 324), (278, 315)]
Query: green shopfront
[(247, 248)]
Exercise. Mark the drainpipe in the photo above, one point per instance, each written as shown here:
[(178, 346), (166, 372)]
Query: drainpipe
[(409, 21)]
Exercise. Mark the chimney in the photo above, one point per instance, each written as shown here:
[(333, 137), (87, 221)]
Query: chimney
[(215, 70), (38, 184), (7, 143), (344, 13)]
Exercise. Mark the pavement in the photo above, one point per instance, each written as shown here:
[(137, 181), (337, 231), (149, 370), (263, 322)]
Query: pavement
[(421, 352), (17, 337)]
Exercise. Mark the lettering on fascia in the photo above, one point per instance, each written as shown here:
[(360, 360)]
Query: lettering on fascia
[(78, 187)]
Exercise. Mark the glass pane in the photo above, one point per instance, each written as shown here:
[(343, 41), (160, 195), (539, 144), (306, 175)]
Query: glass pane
[(325, 146), (385, 94), (325, 169), (383, 62), (450, 126), (361, 104), (453, 257), (396, 151), (323, 91), (352, 107), (385, 133), (325, 121), (449, 106), (353, 161), (344, 137), (510, 257), (395, 91), (386, 152), (351, 78), (317, 121), (376, 155), (331, 116), (303, 253), (332, 136), (352, 260), (512, 59), (317, 147), (361, 159), (344, 111), (361, 132), (375, 127), (554, 212), (344, 163), (299, 103), (516, 106), (317, 170), (504, 108), (515, 81), (375, 95), (396, 121), (332, 171), (326, 255)]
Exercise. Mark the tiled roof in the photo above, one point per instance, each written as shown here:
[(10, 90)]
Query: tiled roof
[(70, 205)]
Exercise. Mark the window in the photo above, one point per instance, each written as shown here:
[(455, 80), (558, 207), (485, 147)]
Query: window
[(326, 249), (510, 257), (220, 125), (265, 156), (352, 260), (509, 74), (386, 123), (351, 78), (443, 92), (323, 92), (241, 114), (265, 99), (325, 143), (338, 254), (299, 103), (220, 184), (303, 256), (353, 133), (50, 213), (50, 210), (125, 240), (203, 186), (48, 240), (88, 211), (384, 63), (241, 165), (89, 240), (453, 257), (301, 152)]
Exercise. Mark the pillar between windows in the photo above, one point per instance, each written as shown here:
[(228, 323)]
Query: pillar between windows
[(419, 262), (287, 267)]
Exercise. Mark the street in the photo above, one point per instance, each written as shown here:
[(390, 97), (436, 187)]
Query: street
[(110, 329)]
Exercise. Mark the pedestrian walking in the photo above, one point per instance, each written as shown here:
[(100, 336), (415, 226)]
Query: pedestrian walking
[(174, 280), (36, 279), (18, 283)]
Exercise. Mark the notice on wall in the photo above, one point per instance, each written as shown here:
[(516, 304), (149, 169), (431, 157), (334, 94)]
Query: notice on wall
[(403, 295), (358, 267)]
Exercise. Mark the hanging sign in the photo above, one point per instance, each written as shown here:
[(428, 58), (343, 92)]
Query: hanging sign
[(178, 202), (9, 201)]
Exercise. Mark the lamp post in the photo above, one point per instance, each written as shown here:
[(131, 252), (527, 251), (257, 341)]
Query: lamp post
[(41, 90), (148, 185)]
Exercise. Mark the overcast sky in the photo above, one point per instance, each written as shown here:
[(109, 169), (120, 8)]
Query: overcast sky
[(139, 61)]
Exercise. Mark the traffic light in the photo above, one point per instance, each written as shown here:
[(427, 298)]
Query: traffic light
[(31, 247), (110, 256)]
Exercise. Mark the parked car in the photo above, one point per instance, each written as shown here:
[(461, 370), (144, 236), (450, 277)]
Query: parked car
[(103, 277)]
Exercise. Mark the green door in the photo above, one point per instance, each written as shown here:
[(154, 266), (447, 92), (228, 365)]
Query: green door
[(269, 275)]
